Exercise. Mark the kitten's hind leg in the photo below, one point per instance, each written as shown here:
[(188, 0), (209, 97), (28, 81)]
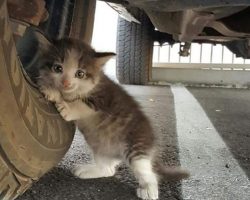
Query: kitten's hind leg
[(148, 182), (104, 167)]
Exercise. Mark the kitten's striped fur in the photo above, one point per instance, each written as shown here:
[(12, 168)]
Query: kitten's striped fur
[(112, 122)]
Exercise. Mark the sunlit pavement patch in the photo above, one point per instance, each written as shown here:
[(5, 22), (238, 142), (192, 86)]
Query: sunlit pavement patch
[(215, 174)]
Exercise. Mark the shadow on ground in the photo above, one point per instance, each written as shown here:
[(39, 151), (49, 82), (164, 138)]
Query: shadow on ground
[(60, 184), (229, 111)]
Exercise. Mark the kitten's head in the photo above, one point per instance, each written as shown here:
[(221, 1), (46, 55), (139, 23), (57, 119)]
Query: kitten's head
[(70, 66)]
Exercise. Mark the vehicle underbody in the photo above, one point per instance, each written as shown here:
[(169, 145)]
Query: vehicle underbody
[(216, 22)]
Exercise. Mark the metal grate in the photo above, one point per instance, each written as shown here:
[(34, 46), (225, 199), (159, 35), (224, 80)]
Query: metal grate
[(202, 56)]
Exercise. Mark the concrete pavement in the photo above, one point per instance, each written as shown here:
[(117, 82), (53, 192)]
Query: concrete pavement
[(205, 130)]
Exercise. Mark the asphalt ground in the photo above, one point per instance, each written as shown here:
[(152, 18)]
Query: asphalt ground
[(205, 130)]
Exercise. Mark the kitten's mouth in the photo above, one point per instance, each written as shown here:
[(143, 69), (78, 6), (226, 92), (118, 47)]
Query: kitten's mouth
[(68, 90)]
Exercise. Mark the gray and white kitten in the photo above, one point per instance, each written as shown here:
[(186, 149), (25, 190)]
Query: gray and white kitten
[(70, 74)]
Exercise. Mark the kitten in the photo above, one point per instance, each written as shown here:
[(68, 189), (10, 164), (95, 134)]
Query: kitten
[(111, 121)]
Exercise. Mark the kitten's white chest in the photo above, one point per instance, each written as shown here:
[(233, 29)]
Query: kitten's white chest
[(79, 108), (75, 111)]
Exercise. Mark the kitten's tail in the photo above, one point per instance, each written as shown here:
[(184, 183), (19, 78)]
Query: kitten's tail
[(170, 173)]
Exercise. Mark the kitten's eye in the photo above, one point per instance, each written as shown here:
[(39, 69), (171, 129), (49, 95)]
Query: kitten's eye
[(57, 68), (80, 74)]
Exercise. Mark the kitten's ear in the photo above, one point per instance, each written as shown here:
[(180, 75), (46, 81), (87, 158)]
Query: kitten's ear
[(102, 57), (43, 41)]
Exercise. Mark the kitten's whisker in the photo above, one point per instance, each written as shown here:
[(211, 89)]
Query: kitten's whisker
[(38, 77)]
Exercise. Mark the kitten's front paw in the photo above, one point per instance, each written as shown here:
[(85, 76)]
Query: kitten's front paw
[(51, 94), (149, 193), (64, 110)]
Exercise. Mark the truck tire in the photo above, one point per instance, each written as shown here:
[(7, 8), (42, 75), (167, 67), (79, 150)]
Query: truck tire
[(134, 50), (33, 136)]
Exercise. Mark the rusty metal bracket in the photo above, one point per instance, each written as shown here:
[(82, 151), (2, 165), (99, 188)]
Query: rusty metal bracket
[(123, 12), (185, 49)]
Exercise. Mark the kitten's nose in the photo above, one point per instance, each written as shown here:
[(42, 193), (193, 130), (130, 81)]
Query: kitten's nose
[(66, 83)]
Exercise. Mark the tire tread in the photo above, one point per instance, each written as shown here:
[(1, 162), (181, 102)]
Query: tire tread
[(134, 50)]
